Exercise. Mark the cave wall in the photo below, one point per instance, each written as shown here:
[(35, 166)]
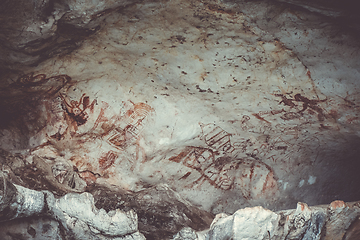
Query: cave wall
[(231, 104)]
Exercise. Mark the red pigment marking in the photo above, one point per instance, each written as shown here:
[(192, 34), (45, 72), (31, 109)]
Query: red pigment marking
[(185, 176), (260, 118), (337, 204), (88, 177), (287, 102), (251, 172), (308, 73), (179, 157), (269, 183), (107, 160)]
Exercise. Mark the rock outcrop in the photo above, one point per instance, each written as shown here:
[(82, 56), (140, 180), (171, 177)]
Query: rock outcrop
[(338, 220), (161, 213)]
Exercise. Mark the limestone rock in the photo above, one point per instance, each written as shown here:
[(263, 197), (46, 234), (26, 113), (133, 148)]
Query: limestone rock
[(161, 211), (311, 223), (76, 213)]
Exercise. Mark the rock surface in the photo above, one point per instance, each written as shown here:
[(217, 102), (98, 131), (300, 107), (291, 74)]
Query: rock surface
[(76, 212), (304, 222), (177, 111), (39, 215)]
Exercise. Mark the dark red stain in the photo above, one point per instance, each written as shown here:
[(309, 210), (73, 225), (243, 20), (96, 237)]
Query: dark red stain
[(76, 110), (185, 176), (307, 104), (260, 118), (217, 138), (286, 101), (88, 176), (101, 119), (180, 156), (308, 73), (107, 160), (290, 116)]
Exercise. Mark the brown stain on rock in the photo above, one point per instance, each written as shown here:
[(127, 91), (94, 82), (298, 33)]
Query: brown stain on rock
[(88, 176), (337, 204), (227, 172), (260, 118), (309, 105), (107, 160)]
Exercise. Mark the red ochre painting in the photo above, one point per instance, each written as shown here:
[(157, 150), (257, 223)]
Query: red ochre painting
[(85, 132), (219, 166), (92, 137)]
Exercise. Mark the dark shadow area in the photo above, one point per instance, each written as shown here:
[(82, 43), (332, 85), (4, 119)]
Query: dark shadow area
[(337, 174), (161, 213)]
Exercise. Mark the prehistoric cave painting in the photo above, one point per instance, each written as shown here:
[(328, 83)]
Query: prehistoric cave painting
[(267, 113), (84, 138), (76, 114), (79, 126), (242, 162), (129, 128), (253, 178), (311, 106), (256, 179), (258, 148), (216, 138), (197, 158), (218, 165), (245, 123), (64, 117), (31, 83), (107, 159)]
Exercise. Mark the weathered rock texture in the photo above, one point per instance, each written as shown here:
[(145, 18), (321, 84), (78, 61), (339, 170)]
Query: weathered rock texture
[(76, 213), (33, 31), (75, 216), (177, 111), (159, 211), (335, 221)]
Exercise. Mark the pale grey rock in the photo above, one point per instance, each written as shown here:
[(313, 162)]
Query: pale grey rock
[(161, 211), (17, 201), (28, 202), (248, 223), (340, 219), (76, 212), (306, 223), (81, 207), (186, 233)]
